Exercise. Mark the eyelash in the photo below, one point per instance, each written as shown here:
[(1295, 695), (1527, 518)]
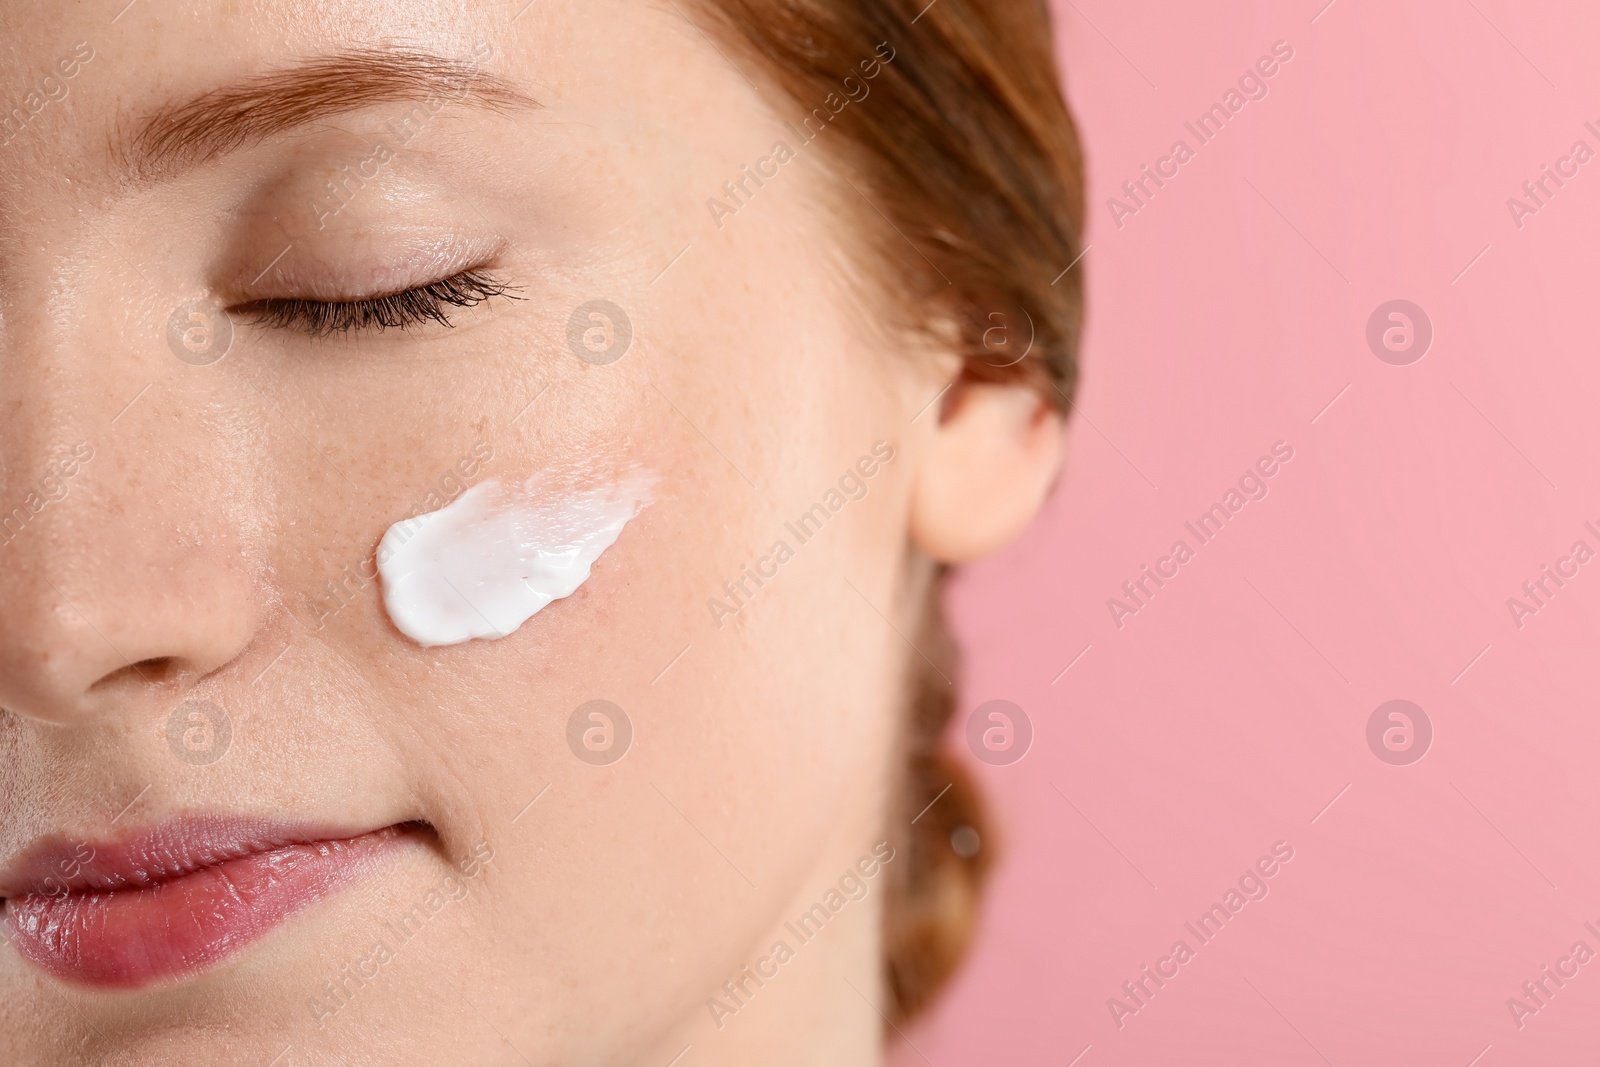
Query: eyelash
[(413, 307)]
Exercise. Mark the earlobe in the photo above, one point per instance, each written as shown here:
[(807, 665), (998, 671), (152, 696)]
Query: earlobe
[(988, 468)]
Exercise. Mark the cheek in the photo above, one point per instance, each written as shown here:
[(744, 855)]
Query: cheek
[(760, 732)]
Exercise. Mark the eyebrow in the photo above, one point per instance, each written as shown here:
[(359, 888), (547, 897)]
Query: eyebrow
[(179, 137)]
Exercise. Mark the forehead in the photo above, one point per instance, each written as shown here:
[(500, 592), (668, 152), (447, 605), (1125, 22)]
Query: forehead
[(79, 78), (81, 82)]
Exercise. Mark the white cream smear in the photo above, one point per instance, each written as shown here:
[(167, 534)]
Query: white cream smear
[(487, 562)]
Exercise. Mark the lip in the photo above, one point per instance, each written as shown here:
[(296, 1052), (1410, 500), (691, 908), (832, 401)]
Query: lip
[(177, 898)]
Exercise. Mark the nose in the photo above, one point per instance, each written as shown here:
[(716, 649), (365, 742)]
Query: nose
[(125, 574)]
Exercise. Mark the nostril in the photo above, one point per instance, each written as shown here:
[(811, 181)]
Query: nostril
[(159, 669)]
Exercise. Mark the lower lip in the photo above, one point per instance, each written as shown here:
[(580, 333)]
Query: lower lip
[(128, 938)]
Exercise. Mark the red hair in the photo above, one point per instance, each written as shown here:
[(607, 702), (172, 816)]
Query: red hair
[(964, 148)]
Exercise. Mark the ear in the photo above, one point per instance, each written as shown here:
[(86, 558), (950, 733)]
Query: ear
[(991, 462)]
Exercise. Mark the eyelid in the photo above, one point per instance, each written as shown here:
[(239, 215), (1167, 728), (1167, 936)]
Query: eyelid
[(383, 260), (409, 307)]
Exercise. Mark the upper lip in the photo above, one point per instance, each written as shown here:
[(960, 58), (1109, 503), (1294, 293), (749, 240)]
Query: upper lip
[(61, 864)]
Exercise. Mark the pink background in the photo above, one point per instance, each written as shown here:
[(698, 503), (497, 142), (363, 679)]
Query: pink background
[(1228, 713)]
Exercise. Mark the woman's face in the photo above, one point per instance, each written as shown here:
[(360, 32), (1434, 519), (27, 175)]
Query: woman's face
[(194, 648)]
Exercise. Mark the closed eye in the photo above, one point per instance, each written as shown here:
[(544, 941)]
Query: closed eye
[(402, 310)]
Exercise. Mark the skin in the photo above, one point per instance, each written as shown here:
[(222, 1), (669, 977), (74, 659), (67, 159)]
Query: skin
[(189, 558)]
